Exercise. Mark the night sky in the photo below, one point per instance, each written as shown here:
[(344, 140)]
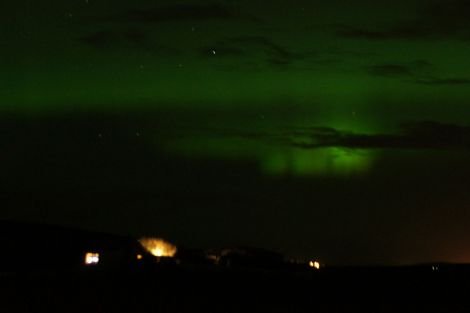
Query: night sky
[(333, 129)]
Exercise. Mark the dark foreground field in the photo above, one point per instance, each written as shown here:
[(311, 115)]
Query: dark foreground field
[(179, 289)]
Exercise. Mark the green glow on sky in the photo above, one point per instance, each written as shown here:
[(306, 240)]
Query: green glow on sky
[(279, 161), (322, 162), (289, 72)]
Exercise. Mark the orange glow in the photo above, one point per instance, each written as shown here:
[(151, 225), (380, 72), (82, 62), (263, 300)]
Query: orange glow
[(92, 258), (314, 264), (139, 256), (158, 247)]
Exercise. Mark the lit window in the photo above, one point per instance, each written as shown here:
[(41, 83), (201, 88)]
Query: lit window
[(314, 264), (92, 258)]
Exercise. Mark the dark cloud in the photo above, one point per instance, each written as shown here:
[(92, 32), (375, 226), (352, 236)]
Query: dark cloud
[(437, 19), (413, 136), (386, 34), (278, 62), (178, 12), (126, 39), (453, 14), (275, 54), (342, 52), (222, 51), (421, 64), (443, 81), (389, 70), (420, 72), (415, 68), (110, 39), (271, 48)]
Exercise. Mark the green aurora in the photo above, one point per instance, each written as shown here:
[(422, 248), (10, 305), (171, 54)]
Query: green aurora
[(302, 91)]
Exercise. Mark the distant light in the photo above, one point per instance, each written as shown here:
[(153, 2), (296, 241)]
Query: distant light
[(139, 256), (213, 257), (92, 258), (158, 251), (314, 264), (158, 247)]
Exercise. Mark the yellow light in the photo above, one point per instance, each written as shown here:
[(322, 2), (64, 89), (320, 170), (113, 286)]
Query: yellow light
[(158, 251), (92, 258), (139, 256), (158, 247), (314, 264)]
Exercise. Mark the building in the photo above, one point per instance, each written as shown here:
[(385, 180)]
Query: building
[(31, 247)]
